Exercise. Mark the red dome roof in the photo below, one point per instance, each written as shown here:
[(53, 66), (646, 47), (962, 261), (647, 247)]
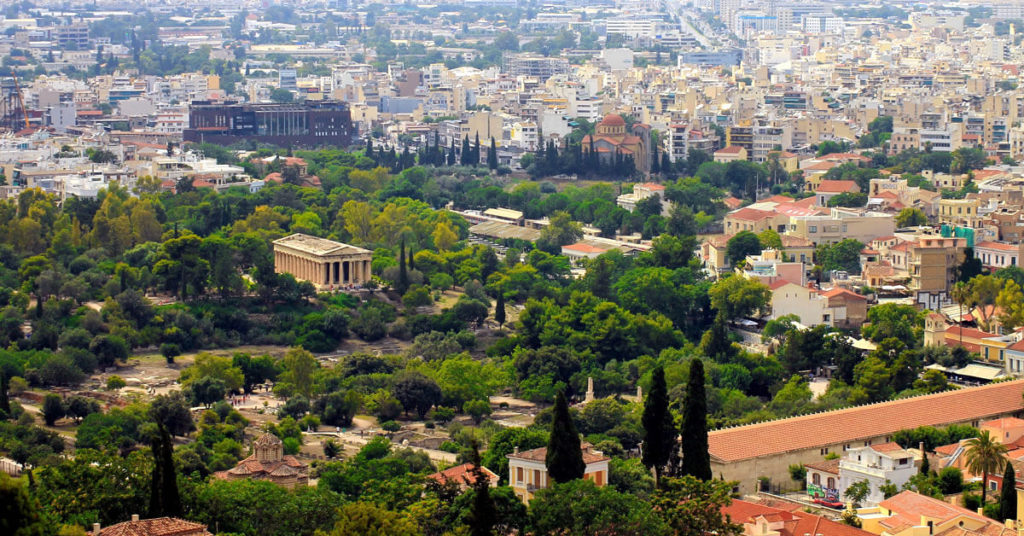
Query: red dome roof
[(613, 120)]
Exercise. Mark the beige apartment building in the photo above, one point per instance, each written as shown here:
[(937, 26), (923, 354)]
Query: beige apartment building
[(932, 265), (962, 212), (841, 224)]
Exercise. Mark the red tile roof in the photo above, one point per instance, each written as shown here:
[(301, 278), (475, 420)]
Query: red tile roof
[(750, 214), (864, 422), (540, 455), (795, 523), (837, 187), (838, 291), (461, 474), (827, 466), (909, 507), (160, 526), (732, 149), (1001, 246)]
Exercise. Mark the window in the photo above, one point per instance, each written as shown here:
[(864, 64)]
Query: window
[(816, 478), (831, 482), (992, 486), (812, 228), (519, 474)]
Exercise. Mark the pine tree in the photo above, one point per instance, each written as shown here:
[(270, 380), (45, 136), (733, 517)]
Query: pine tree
[(492, 155), (499, 309), (696, 460), (1008, 495), (564, 457), (659, 430), (483, 514), (403, 274)]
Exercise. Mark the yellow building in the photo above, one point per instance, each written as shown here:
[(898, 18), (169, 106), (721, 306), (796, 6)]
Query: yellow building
[(528, 470)]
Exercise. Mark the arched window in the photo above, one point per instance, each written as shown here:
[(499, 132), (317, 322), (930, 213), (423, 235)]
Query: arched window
[(816, 478)]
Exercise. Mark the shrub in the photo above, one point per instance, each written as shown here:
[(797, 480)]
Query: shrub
[(170, 350), (449, 446), (115, 382), (291, 445), (390, 426)]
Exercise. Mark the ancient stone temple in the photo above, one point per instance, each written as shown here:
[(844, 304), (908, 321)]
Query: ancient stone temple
[(268, 462), (325, 263)]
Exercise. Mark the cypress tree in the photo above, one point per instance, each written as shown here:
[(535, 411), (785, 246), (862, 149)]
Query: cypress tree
[(437, 155), (5, 403), (492, 155), (451, 154), (925, 465), (171, 499), (1008, 495), (369, 149), (659, 430), (666, 164), (403, 274), (467, 153), (499, 309), (476, 149), (483, 514), (564, 457), (655, 161), (696, 460)]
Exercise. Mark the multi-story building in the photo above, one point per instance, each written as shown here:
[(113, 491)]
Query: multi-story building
[(310, 124), (933, 263), (842, 223), (534, 65), (878, 465)]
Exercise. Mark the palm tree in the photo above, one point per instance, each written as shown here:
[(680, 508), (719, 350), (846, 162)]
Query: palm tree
[(985, 455)]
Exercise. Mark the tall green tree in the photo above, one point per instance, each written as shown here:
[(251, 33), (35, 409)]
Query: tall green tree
[(492, 155), (564, 457), (985, 455), (5, 403), (483, 514), (1008, 495), (659, 430), (696, 459), (403, 273), (499, 309)]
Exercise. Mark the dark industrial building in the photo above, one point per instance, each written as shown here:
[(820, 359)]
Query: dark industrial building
[(308, 124)]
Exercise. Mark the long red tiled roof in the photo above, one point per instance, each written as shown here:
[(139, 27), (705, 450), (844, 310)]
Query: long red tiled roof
[(864, 422)]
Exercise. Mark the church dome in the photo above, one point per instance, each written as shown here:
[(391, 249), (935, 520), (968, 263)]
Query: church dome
[(613, 120), (267, 440)]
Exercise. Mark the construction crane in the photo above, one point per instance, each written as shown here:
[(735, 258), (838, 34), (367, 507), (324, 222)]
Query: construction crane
[(21, 101)]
